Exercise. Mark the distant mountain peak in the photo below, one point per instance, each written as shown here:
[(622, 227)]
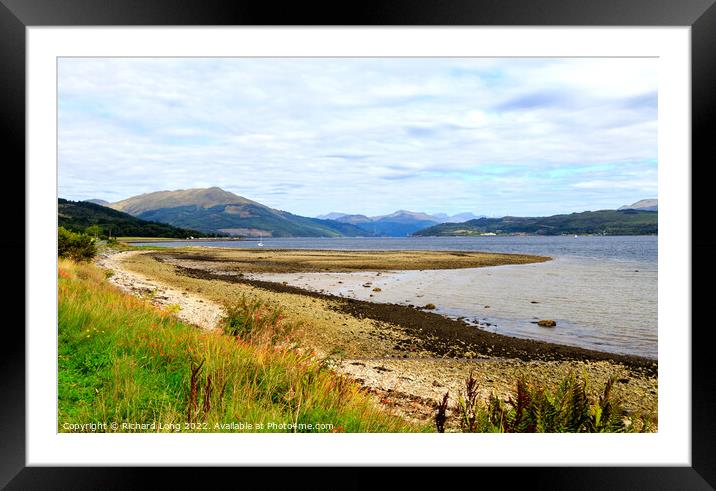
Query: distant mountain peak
[(459, 217), (97, 201), (651, 204), (406, 215), (200, 197), (334, 215), (354, 219)]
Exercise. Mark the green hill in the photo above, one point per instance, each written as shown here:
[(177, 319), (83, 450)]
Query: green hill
[(603, 222), (201, 197), (213, 210), (78, 215), (251, 220)]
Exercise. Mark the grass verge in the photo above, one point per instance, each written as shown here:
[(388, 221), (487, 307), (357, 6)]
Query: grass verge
[(123, 361)]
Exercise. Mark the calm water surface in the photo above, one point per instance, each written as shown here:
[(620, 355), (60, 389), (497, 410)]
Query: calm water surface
[(602, 291)]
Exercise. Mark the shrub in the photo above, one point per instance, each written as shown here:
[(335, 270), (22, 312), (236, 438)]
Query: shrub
[(467, 405), (94, 231), (256, 321), (568, 409), (533, 409), (78, 247), (441, 413)]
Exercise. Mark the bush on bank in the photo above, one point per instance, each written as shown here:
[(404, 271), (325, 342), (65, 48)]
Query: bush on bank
[(78, 247)]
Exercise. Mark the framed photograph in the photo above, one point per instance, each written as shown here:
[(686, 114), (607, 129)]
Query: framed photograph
[(416, 236)]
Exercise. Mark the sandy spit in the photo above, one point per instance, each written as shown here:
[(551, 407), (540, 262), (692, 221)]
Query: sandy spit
[(193, 309)]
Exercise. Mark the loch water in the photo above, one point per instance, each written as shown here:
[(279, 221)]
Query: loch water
[(601, 290)]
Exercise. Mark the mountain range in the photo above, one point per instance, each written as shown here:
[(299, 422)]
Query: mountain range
[(435, 217), (399, 223), (216, 211)]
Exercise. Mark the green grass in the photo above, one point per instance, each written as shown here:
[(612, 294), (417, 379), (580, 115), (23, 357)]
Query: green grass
[(122, 360), (123, 246)]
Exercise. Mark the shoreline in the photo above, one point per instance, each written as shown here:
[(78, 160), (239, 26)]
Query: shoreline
[(443, 336), (604, 306), (391, 350), (159, 240)]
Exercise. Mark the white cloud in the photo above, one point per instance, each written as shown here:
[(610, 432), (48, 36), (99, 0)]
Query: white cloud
[(361, 135)]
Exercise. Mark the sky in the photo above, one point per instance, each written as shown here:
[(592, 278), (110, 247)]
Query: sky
[(492, 136)]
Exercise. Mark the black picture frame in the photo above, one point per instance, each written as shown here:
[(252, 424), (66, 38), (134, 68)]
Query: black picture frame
[(700, 15)]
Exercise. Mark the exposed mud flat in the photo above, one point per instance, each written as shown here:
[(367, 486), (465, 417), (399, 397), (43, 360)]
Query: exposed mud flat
[(291, 261)]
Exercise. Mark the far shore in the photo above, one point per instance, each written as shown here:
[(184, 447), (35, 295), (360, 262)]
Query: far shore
[(130, 240), (254, 238)]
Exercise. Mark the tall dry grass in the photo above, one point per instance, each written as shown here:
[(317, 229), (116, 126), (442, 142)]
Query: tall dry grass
[(123, 360)]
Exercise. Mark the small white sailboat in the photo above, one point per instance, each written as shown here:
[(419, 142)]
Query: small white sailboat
[(260, 244)]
